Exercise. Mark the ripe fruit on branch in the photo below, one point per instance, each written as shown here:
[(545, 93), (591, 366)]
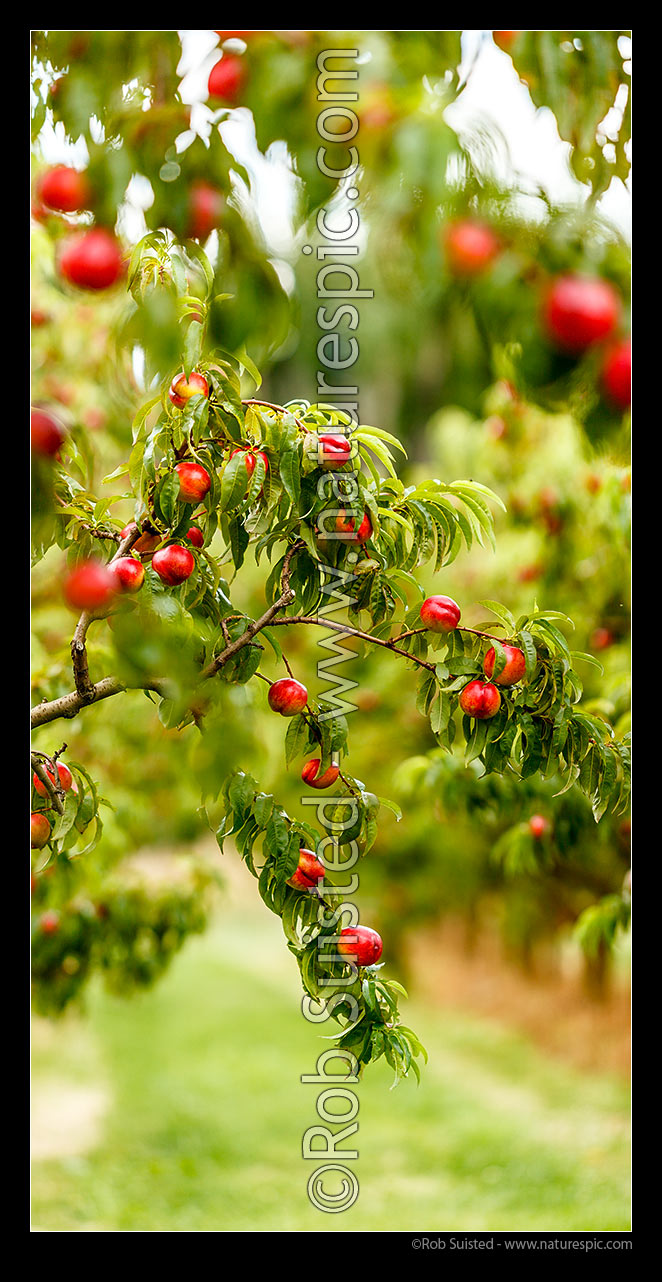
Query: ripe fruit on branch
[(287, 696), (91, 259), (480, 699), (579, 311), (471, 246), (64, 189), (40, 830), (65, 776), (128, 573), (195, 536), (90, 586), (145, 543), (49, 922), (538, 826), (194, 482), (333, 450), (310, 776), (173, 564), (182, 389), (251, 458), (514, 669), (226, 79), (440, 614), (346, 525), (205, 210), (308, 871), (46, 433), (360, 944), (617, 375)]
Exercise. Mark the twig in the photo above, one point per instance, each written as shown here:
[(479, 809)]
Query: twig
[(82, 681), (55, 791), (280, 409), (415, 631), (353, 632), (287, 595)]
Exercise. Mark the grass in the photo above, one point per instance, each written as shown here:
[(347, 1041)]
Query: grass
[(206, 1114)]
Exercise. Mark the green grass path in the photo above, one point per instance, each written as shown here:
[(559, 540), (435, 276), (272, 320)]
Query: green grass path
[(206, 1113)]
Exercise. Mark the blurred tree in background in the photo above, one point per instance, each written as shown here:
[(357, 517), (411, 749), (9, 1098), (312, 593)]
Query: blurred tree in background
[(496, 348)]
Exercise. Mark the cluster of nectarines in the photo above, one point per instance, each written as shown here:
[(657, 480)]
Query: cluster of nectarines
[(91, 258), (479, 699), (579, 311), (40, 824), (359, 944)]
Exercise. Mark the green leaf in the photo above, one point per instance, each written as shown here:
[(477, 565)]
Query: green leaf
[(501, 613), (527, 645), (234, 482), (290, 474)]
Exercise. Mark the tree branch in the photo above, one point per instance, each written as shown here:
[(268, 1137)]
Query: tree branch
[(353, 632), (287, 595), (68, 705), (84, 686), (55, 791)]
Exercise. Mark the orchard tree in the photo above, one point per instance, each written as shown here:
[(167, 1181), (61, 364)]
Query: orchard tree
[(218, 478)]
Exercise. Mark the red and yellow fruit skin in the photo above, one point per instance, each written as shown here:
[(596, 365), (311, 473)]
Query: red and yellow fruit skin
[(310, 776), (440, 614), (287, 696), (194, 482), (360, 944), (40, 830), (173, 564), (90, 586), (346, 526), (515, 666), (91, 259), (471, 247), (144, 544), (65, 776), (182, 389), (308, 873), (579, 311), (195, 536), (617, 375), (480, 699), (226, 79), (251, 458), (47, 434), (129, 574), (333, 450), (64, 189)]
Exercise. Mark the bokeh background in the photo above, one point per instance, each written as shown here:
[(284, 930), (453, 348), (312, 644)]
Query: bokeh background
[(176, 1105)]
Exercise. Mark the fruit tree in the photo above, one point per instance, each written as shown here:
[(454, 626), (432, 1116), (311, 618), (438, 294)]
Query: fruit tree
[(251, 526)]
